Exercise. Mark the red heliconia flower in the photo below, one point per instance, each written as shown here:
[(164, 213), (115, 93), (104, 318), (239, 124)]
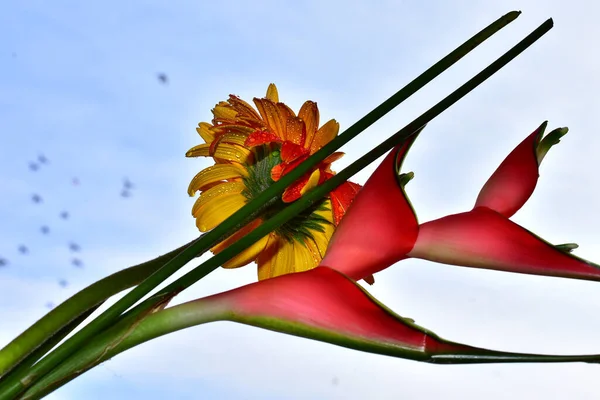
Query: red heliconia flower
[(380, 227), (485, 238), (325, 305)]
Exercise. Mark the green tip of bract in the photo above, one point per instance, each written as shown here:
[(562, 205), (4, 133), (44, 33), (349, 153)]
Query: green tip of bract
[(403, 179), (548, 141), (567, 247)]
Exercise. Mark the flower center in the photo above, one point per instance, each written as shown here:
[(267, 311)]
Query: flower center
[(259, 179)]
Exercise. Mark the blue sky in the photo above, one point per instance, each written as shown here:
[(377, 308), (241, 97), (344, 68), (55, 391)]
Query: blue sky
[(78, 84)]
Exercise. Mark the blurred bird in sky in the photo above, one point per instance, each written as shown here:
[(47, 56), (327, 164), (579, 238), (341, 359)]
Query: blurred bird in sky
[(163, 78), (63, 283), (23, 249), (33, 166), (36, 198), (45, 230), (77, 262), (127, 184), (74, 246), (64, 215)]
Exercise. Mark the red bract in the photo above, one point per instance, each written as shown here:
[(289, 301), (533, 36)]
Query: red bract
[(325, 305), (380, 227)]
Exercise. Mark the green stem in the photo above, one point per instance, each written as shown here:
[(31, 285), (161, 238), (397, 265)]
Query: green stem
[(133, 331), (48, 344), (11, 388), (25, 345)]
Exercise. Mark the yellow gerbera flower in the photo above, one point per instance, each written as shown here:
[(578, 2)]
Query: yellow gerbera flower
[(252, 149)]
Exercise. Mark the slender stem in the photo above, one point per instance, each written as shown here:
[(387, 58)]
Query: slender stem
[(56, 320), (10, 388), (127, 333), (49, 343)]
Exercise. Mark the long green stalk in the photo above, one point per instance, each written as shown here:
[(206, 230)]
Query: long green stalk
[(11, 388), (138, 314), (61, 316)]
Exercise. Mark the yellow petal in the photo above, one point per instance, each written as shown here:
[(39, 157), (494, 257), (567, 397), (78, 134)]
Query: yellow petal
[(221, 189), (233, 138), (232, 128), (232, 152), (224, 112), (321, 239), (199, 151), (309, 112), (218, 209), (277, 254), (248, 255), (284, 257), (214, 174), (324, 135), (312, 182), (204, 130), (272, 93)]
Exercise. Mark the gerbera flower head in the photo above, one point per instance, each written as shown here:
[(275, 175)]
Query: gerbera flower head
[(253, 148)]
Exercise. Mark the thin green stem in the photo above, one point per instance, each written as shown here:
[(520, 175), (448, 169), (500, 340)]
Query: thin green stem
[(61, 316), (11, 388), (47, 345)]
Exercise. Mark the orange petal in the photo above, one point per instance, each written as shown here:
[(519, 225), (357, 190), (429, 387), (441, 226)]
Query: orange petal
[(341, 198), (332, 158), (285, 111), (294, 191), (243, 109), (271, 115), (261, 137), (324, 135), (291, 152), (277, 172), (296, 131), (310, 115)]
